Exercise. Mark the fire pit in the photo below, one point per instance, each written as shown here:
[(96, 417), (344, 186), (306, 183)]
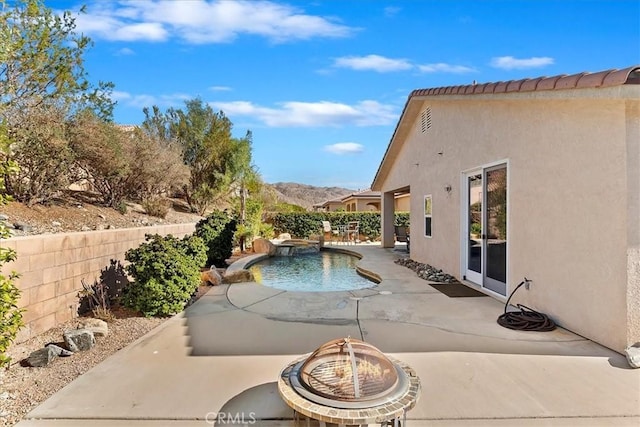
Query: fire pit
[(347, 382)]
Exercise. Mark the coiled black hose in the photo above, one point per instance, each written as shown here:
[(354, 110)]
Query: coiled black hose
[(527, 319)]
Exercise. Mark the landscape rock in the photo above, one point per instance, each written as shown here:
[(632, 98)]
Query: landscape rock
[(426, 272), (85, 228), (22, 226), (42, 357), (284, 236), (633, 355), (59, 351), (56, 223), (238, 276), (4, 217), (99, 327), (79, 339), (263, 246), (211, 276)]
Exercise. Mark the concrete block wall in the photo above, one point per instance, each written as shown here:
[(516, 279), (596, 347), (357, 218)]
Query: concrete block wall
[(51, 267)]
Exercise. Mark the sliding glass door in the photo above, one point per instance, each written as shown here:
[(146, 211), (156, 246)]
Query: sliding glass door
[(486, 228)]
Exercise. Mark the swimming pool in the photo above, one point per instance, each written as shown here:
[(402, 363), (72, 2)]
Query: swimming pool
[(322, 272)]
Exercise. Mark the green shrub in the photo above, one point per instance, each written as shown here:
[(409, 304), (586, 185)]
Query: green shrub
[(266, 231), (299, 225), (10, 314), (156, 206), (122, 207), (217, 231), (166, 271), (401, 219), (302, 225)]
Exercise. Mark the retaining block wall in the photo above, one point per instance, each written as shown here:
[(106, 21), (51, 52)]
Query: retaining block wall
[(51, 268)]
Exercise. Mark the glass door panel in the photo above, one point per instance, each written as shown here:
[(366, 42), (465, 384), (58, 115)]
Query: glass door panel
[(495, 220), (474, 227)]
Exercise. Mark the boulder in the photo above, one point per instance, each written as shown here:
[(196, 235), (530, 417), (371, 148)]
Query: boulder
[(99, 327), (263, 246), (284, 236), (211, 276), (22, 226), (42, 357), (238, 276), (79, 339), (59, 351), (633, 355)]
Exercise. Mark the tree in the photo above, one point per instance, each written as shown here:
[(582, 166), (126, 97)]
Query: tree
[(42, 83), (40, 147), (124, 164), (41, 62), (213, 156)]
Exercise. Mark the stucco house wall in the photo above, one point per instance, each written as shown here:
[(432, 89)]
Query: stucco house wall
[(403, 203), (572, 158)]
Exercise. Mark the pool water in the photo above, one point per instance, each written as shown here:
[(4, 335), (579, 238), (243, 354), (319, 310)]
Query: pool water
[(322, 272)]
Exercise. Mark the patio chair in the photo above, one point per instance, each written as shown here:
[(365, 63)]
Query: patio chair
[(353, 232), (332, 233), (402, 235)]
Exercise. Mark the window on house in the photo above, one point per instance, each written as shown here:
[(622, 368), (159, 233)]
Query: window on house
[(428, 208)]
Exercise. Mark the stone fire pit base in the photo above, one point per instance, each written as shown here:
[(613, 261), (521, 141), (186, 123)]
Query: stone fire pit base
[(394, 410)]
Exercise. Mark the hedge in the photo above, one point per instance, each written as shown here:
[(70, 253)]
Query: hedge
[(303, 224)]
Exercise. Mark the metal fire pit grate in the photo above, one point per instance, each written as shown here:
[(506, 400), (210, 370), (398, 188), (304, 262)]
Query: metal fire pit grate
[(334, 378), (348, 369)]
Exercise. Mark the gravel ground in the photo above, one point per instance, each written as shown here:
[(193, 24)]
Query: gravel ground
[(22, 388), (75, 213)]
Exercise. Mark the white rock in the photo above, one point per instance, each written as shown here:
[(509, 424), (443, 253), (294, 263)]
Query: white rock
[(99, 327), (633, 355)]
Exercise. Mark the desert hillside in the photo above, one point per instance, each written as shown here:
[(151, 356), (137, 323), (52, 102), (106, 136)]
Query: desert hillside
[(307, 195), (78, 211)]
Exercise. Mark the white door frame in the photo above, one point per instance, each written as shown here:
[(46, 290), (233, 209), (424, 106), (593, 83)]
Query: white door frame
[(470, 275)]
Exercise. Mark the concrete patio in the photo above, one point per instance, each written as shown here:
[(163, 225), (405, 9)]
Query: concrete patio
[(223, 355)]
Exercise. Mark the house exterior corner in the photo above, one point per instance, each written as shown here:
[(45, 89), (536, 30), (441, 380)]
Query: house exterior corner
[(542, 185)]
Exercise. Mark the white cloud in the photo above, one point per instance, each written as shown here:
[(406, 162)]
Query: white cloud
[(391, 11), (220, 88), (442, 67), (344, 148), (372, 62), (145, 100), (313, 114), (510, 63), (125, 51), (204, 21), (104, 22)]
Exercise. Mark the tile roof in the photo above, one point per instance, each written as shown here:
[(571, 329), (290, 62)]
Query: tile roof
[(600, 79), (363, 193), (613, 77)]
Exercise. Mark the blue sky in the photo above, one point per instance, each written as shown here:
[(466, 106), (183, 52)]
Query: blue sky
[(321, 84)]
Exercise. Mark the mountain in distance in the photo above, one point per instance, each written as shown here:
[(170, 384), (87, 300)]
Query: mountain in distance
[(307, 195)]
